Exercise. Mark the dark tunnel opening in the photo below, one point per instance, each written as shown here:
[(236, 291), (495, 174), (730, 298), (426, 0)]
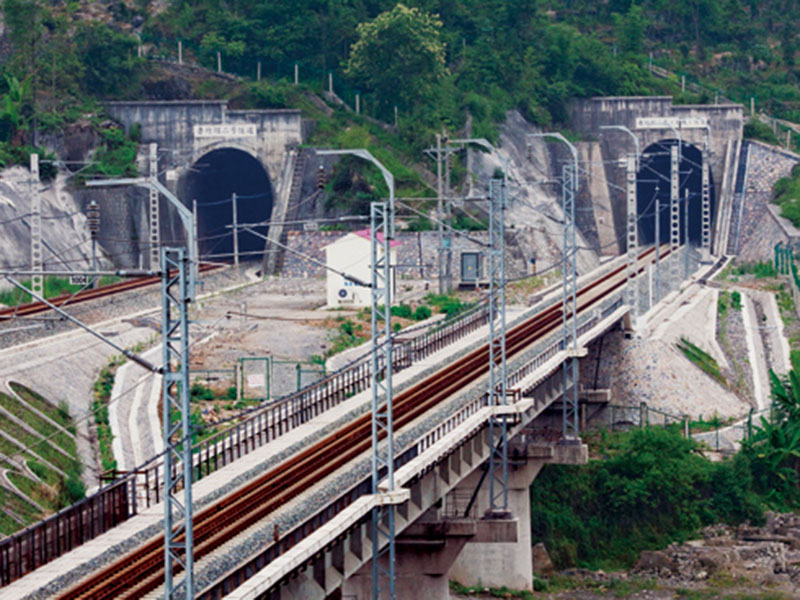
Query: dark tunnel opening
[(212, 181), (653, 185)]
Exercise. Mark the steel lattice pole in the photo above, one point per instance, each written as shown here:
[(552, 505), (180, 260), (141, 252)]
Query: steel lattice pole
[(382, 458), (498, 426), (570, 307), (155, 232), (632, 250), (37, 258), (674, 214), (175, 298), (706, 209)]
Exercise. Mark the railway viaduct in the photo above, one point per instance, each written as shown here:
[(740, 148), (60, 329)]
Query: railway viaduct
[(316, 543)]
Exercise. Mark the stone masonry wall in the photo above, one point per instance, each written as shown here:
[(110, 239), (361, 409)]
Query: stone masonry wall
[(759, 230)]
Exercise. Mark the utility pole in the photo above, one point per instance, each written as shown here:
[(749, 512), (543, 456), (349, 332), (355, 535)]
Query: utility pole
[(178, 531), (569, 301), (439, 212), (37, 262), (632, 249), (93, 221), (674, 214), (705, 240), (498, 426), (155, 241), (382, 231), (235, 236), (448, 218), (686, 234), (658, 244), (196, 222)]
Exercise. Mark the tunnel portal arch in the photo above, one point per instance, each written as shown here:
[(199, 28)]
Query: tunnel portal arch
[(212, 180), (653, 184)]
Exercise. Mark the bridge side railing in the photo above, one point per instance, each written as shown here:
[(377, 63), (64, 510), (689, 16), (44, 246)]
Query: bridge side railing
[(121, 499), (248, 568)]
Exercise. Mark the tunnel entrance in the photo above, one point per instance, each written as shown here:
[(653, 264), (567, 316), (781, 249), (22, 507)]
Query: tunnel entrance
[(212, 181), (653, 189)]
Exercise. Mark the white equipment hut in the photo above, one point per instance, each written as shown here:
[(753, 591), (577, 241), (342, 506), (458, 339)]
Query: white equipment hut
[(351, 254)]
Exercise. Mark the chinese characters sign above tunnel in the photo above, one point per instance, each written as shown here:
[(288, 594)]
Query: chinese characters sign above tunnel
[(228, 130), (670, 122)]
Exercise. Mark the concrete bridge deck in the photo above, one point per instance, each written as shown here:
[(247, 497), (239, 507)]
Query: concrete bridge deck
[(432, 445)]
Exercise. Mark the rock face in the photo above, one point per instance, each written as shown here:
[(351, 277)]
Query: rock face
[(768, 555), (540, 560)]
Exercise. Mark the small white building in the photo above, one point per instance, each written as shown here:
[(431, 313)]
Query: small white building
[(351, 254)]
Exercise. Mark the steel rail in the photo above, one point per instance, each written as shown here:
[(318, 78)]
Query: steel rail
[(32, 308)]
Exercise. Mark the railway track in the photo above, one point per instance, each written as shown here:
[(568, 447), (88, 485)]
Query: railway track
[(32, 308), (141, 571)]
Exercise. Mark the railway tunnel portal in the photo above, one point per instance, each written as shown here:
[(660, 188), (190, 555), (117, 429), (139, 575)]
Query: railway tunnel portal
[(653, 192), (213, 181), (207, 152)]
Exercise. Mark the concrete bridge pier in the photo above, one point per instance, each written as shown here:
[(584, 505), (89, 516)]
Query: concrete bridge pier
[(509, 563), (425, 552)]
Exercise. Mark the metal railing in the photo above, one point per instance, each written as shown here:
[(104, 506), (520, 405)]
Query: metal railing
[(121, 499)]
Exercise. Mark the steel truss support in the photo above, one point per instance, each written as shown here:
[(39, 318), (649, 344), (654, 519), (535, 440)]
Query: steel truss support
[(155, 235), (383, 577), (706, 214), (674, 214), (569, 186), (178, 539), (632, 288), (498, 426), (37, 260)]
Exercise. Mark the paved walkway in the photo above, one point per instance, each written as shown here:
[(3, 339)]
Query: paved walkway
[(134, 412)]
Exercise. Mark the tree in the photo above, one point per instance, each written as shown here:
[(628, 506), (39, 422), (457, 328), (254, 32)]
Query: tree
[(631, 29), (109, 59), (399, 55)]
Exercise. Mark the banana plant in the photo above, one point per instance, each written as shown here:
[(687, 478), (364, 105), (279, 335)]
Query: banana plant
[(12, 106)]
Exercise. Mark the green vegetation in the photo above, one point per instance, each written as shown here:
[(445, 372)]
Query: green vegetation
[(102, 394), (701, 358), (736, 300), (64, 441), (348, 335), (786, 192), (774, 450), (47, 475), (758, 130), (60, 415), (448, 304), (12, 502), (651, 488), (760, 270), (34, 490)]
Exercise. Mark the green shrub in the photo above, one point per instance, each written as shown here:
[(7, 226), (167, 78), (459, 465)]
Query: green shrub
[(403, 311), (421, 313), (736, 300), (651, 489), (757, 130)]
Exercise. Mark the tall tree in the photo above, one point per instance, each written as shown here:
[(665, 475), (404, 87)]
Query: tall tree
[(399, 55)]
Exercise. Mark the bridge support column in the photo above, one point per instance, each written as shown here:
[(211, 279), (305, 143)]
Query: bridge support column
[(424, 554), (501, 563)]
